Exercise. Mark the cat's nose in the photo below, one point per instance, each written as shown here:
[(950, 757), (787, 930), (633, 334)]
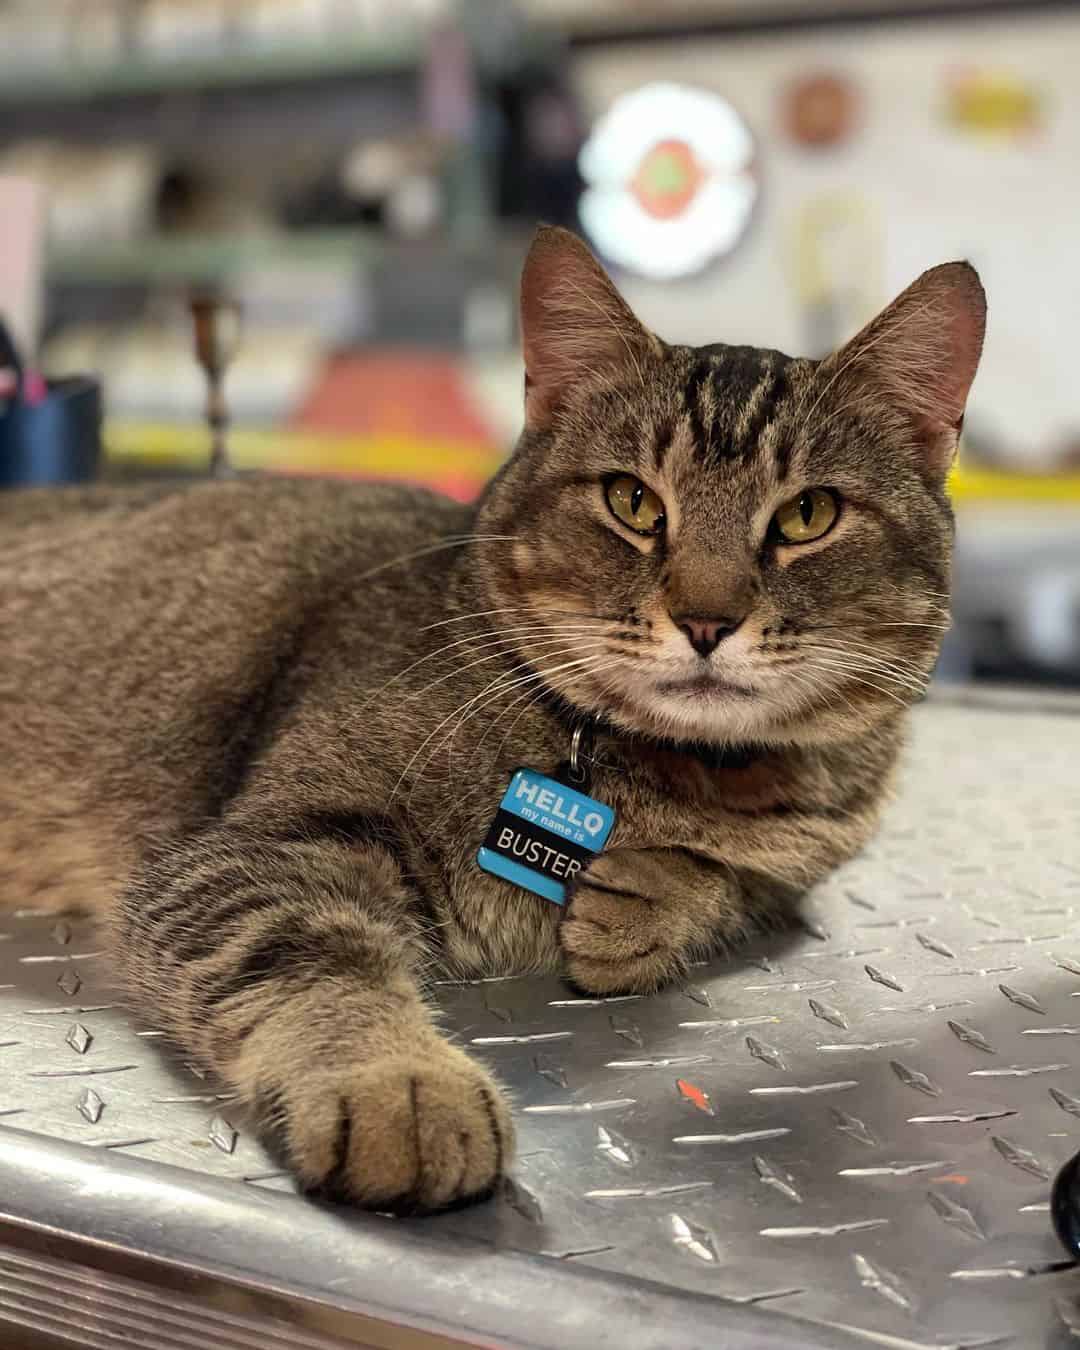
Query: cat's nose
[(705, 635)]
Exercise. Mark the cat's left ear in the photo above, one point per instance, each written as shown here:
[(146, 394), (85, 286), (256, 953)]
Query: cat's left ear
[(921, 354)]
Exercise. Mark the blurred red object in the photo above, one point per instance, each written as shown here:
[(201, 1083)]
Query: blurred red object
[(414, 395), (403, 416)]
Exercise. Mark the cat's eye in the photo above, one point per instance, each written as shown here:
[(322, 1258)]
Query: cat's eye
[(637, 506), (806, 517)]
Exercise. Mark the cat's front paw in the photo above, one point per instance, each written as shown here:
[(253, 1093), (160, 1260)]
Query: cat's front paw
[(617, 934), (410, 1134)]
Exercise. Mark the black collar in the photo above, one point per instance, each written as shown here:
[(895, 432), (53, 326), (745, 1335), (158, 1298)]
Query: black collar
[(595, 728)]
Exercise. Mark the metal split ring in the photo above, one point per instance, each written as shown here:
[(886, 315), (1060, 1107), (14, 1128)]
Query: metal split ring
[(579, 752)]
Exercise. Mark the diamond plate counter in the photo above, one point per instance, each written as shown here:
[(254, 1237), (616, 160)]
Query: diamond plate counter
[(854, 1124)]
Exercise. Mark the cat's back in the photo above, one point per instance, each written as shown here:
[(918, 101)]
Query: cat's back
[(100, 522), (91, 578), (134, 623), (94, 552), (145, 637)]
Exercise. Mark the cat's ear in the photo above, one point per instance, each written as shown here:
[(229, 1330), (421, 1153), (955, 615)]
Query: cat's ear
[(921, 354), (574, 323)]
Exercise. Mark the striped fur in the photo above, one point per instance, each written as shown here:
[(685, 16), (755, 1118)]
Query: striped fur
[(260, 728)]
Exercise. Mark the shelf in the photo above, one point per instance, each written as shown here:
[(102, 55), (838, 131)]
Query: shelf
[(973, 484), (606, 21), (291, 449), (209, 257), (386, 54), (459, 469)]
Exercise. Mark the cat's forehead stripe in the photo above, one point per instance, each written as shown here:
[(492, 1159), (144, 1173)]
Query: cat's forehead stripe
[(664, 437), (700, 411), (746, 383), (761, 408)]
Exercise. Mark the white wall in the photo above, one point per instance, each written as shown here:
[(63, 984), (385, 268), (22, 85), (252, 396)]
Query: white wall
[(1013, 209)]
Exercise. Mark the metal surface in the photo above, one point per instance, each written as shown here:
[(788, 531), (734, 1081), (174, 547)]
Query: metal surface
[(179, 1254), (855, 1124)]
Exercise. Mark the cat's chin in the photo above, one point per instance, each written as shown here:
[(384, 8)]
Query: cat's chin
[(702, 709), (705, 707), (715, 712)]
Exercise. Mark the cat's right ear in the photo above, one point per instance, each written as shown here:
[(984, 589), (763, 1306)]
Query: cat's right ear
[(921, 354), (574, 323)]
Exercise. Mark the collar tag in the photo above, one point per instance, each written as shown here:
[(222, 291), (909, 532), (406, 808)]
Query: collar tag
[(543, 834)]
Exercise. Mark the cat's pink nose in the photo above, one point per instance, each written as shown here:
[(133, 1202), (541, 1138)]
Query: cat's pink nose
[(705, 635)]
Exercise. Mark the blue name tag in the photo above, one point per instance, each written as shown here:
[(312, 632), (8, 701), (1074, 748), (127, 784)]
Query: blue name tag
[(544, 833)]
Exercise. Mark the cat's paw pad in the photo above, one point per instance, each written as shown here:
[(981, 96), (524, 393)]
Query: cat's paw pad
[(406, 1134), (618, 942)]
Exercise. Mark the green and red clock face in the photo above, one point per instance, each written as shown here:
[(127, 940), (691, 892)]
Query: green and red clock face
[(667, 179), (670, 182)]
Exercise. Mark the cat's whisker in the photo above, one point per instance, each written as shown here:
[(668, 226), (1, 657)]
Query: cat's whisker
[(870, 653), (536, 614), (857, 677), (475, 614), (839, 661), (813, 691), (520, 644), (869, 684), (533, 697), (909, 623), (923, 590), (562, 650), (493, 695), (432, 734), (866, 656), (870, 621), (497, 685), (911, 674), (838, 633), (511, 636), (916, 681), (508, 636), (918, 595), (458, 541), (539, 675), (530, 698)]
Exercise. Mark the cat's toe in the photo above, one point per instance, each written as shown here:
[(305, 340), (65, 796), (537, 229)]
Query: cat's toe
[(406, 1134), (617, 943)]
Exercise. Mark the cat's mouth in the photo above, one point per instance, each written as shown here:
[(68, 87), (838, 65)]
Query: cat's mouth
[(703, 704), (704, 686)]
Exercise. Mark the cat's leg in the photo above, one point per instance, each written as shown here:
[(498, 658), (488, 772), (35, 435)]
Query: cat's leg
[(637, 917), (291, 970)]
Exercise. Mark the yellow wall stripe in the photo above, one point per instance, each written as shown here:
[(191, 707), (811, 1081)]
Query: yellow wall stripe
[(396, 456)]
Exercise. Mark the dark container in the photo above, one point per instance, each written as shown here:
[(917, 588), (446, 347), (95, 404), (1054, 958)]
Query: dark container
[(57, 440)]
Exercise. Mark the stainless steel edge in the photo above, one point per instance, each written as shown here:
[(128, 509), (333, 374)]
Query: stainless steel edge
[(375, 1277)]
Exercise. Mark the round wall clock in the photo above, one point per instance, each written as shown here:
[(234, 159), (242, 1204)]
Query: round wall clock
[(670, 182)]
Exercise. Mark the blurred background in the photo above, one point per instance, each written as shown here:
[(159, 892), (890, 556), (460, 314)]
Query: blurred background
[(357, 180)]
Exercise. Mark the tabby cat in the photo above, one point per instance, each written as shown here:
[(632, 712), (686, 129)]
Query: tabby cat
[(261, 727)]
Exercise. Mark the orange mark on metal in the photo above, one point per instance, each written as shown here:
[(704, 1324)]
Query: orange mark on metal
[(955, 1178), (694, 1095)]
